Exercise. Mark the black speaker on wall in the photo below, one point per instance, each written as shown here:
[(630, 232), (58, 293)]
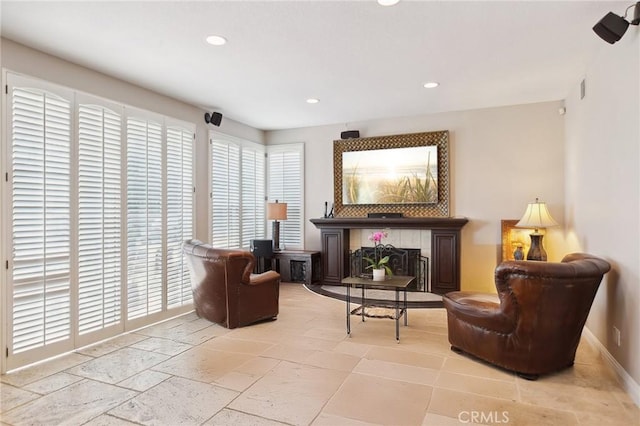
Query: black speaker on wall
[(214, 118), (350, 134)]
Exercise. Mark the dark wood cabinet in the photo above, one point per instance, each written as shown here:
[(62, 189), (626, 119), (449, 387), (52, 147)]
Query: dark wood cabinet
[(445, 253), (301, 266), (445, 246), (335, 242)]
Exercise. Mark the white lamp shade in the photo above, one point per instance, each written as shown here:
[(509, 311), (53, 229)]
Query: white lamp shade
[(536, 216), (276, 211)]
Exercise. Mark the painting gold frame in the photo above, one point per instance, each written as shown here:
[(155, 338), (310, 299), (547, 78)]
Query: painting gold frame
[(513, 237), (437, 209)]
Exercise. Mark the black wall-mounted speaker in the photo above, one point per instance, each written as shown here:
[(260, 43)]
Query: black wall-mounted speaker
[(214, 118), (611, 28), (350, 134)]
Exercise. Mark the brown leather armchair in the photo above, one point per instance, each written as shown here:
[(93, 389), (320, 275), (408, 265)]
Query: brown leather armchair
[(224, 289), (533, 325)]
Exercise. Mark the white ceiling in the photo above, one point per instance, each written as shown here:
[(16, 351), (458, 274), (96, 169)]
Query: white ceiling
[(363, 61)]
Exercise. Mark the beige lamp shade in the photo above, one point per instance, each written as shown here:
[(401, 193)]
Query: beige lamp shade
[(276, 211), (536, 216)]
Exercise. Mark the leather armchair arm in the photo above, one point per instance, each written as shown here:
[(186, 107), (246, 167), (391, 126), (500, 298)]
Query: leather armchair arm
[(265, 277), (481, 310)]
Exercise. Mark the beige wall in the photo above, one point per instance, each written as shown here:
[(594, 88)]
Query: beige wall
[(500, 159), (23, 60), (603, 192)]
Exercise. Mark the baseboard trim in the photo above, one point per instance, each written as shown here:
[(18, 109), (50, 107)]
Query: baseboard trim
[(631, 386)]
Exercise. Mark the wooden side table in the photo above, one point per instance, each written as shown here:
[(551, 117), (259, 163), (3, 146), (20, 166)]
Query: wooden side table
[(298, 265)]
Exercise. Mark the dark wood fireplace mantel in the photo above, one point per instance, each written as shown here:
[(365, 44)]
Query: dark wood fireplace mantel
[(445, 245), (392, 222)]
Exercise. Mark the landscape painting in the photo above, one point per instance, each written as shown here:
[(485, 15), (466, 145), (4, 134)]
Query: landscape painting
[(390, 176)]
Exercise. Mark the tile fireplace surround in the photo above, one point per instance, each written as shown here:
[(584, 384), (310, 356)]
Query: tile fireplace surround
[(302, 369)]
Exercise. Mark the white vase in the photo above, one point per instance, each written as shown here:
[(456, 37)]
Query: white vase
[(378, 274)]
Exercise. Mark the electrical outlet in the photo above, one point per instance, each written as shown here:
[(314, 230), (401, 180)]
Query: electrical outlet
[(616, 335)]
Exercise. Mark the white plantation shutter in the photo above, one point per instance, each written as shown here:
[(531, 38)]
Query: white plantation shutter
[(225, 194), (99, 218), (95, 214), (144, 217), (237, 192), (286, 184), (40, 218), (253, 193), (179, 213)]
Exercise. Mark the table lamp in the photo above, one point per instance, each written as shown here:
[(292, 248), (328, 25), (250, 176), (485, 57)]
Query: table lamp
[(536, 216), (276, 211)]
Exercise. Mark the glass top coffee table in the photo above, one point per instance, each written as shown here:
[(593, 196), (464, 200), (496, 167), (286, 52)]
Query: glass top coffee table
[(391, 282)]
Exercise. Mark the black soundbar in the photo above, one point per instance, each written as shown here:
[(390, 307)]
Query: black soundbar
[(383, 215)]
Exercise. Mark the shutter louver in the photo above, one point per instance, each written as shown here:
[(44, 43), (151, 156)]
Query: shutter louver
[(144, 218), (99, 218), (179, 213), (238, 190), (285, 184), (40, 152), (253, 192), (225, 197)]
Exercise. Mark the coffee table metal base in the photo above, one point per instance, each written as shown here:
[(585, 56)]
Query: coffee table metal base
[(398, 283)]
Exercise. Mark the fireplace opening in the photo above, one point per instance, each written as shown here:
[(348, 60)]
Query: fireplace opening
[(402, 261)]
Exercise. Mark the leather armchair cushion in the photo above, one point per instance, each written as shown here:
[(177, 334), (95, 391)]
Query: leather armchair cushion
[(481, 310)]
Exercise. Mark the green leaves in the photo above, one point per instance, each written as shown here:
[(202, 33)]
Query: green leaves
[(382, 263)]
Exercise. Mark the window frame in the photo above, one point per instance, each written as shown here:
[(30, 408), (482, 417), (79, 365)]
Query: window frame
[(103, 333), (240, 143), (76, 98), (297, 148), (6, 290)]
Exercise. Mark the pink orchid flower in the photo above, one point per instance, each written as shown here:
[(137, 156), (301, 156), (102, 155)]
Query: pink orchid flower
[(377, 236)]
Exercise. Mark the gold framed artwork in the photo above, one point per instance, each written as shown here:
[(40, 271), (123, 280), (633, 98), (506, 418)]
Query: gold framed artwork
[(406, 174), (514, 240)]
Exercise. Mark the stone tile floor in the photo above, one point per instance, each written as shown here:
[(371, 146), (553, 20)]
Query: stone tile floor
[(302, 369)]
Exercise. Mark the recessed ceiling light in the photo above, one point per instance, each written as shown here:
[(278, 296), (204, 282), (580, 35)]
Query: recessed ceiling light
[(431, 85), (387, 2), (216, 40), (313, 101)]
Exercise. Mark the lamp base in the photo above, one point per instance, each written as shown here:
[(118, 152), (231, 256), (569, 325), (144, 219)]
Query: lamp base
[(275, 234), (536, 251)]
